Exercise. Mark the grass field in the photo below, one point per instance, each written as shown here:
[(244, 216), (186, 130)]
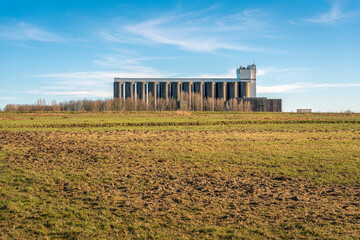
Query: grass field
[(179, 175)]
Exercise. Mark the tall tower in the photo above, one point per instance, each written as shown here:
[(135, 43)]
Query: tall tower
[(248, 75), (252, 80)]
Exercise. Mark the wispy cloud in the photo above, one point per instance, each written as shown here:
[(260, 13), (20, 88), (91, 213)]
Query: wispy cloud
[(102, 76), (132, 66), (196, 31), (93, 84), (7, 98), (22, 31), (276, 70), (336, 13), (77, 94), (76, 84), (302, 87)]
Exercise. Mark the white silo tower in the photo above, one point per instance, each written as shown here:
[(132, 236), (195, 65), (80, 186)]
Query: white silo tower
[(247, 77)]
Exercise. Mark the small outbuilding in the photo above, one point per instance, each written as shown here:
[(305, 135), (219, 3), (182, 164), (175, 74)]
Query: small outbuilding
[(304, 110)]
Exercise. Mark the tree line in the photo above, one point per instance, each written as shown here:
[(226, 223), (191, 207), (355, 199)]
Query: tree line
[(197, 103)]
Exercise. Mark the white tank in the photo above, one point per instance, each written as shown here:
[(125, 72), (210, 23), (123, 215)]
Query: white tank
[(248, 74)]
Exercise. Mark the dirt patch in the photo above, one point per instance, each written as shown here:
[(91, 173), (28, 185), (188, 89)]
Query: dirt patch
[(130, 184)]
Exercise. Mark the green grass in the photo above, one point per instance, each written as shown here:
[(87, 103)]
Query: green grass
[(179, 175), (174, 121)]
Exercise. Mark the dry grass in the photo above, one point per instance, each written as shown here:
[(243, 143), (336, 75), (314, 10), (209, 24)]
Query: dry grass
[(292, 176)]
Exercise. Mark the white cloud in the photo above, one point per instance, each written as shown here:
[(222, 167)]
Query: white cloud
[(271, 70), (8, 98), (94, 77), (22, 31), (301, 87), (130, 67), (99, 84), (337, 13), (185, 37), (195, 31), (99, 94), (95, 84), (283, 88), (76, 84), (336, 85), (66, 92)]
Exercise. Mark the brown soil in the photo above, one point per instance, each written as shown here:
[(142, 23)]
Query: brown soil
[(122, 174)]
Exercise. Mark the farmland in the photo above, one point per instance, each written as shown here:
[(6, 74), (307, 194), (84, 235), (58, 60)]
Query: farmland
[(179, 175)]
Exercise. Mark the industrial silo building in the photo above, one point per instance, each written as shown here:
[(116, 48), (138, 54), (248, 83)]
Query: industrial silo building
[(241, 88)]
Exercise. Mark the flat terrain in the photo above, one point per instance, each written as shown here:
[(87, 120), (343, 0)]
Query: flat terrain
[(179, 175)]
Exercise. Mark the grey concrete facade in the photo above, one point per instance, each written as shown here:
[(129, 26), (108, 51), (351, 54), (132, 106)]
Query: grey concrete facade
[(166, 88), (241, 87)]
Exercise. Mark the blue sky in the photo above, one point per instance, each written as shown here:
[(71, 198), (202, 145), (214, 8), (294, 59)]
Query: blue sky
[(307, 52)]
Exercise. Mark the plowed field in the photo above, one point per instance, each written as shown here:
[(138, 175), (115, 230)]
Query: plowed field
[(179, 176)]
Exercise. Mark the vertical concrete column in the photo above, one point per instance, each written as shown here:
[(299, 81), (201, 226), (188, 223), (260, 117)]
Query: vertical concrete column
[(213, 95), (236, 90), (247, 87), (202, 95), (147, 94), (224, 91), (213, 89), (131, 95), (178, 87), (119, 89), (143, 91), (155, 94), (138, 89), (167, 90), (189, 93)]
